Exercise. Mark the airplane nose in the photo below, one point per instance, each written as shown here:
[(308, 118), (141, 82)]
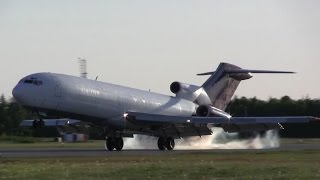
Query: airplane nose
[(16, 92)]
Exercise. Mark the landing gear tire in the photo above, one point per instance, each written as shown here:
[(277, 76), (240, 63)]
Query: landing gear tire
[(118, 144), (166, 143), (109, 144), (114, 143), (161, 144), (170, 143)]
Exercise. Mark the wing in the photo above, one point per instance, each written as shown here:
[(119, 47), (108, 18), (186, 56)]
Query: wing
[(50, 122), (233, 124), (162, 125)]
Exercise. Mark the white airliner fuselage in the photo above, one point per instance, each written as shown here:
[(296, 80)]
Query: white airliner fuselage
[(124, 111), (104, 103)]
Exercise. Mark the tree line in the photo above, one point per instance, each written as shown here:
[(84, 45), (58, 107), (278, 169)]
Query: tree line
[(11, 114), (284, 106)]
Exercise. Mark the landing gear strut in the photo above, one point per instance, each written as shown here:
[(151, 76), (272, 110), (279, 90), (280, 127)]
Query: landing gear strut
[(38, 124), (166, 143), (114, 143)]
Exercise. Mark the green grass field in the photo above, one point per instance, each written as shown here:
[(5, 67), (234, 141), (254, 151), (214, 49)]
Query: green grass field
[(294, 164), (270, 165)]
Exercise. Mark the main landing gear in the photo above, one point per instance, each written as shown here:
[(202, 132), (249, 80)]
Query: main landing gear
[(114, 143), (166, 143)]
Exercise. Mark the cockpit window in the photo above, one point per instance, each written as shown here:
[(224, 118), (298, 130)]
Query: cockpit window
[(28, 81), (33, 81), (37, 82)]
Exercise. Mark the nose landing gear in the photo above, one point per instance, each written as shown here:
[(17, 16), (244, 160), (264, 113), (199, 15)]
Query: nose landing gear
[(39, 123)]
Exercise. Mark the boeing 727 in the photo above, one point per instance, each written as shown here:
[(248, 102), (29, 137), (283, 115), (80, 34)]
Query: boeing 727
[(124, 111)]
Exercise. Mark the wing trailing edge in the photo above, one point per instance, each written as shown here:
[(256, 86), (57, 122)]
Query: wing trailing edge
[(155, 118), (233, 124)]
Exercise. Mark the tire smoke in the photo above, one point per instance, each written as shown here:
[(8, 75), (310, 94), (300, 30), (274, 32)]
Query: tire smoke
[(218, 140), (222, 140)]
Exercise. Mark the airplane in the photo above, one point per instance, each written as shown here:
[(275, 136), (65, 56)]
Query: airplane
[(124, 111)]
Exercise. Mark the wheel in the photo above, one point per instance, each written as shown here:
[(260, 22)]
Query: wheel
[(35, 124), (109, 144), (170, 143), (161, 143), (118, 143)]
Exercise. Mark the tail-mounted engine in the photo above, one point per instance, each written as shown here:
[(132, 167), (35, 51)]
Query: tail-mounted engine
[(207, 111), (185, 91), (190, 92)]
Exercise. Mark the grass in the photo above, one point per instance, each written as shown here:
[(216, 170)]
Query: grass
[(294, 164), (230, 165), (17, 139), (300, 141)]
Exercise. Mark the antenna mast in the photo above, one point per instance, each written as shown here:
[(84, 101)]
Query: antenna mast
[(83, 67)]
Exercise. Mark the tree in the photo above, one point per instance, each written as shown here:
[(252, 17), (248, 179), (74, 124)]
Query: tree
[(3, 115)]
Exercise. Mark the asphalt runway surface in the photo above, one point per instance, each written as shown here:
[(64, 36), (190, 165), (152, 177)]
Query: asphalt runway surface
[(94, 152)]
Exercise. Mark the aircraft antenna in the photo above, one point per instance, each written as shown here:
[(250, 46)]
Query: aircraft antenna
[(83, 67)]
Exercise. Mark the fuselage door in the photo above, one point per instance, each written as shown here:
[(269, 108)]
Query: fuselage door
[(57, 87), (56, 92)]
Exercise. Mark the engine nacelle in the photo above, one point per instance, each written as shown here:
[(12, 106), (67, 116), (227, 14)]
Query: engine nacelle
[(203, 111), (207, 111), (185, 91), (178, 87)]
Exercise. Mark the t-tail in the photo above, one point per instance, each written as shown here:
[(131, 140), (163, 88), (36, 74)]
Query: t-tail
[(218, 90)]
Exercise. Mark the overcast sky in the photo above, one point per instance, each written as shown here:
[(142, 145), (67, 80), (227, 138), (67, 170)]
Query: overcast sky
[(149, 44)]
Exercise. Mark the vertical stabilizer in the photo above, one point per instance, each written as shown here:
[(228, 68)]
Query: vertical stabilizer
[(218, 90), (221, 85)]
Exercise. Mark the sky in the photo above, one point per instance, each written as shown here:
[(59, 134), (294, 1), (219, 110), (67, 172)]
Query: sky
[(148, 44)]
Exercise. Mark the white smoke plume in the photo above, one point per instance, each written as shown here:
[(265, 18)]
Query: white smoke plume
[(218, 140)]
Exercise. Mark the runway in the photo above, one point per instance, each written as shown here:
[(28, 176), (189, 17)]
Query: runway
[(96, 152)]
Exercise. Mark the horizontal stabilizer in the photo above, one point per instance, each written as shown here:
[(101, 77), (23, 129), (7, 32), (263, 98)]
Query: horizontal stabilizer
[(236, 71), (50, 122)]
